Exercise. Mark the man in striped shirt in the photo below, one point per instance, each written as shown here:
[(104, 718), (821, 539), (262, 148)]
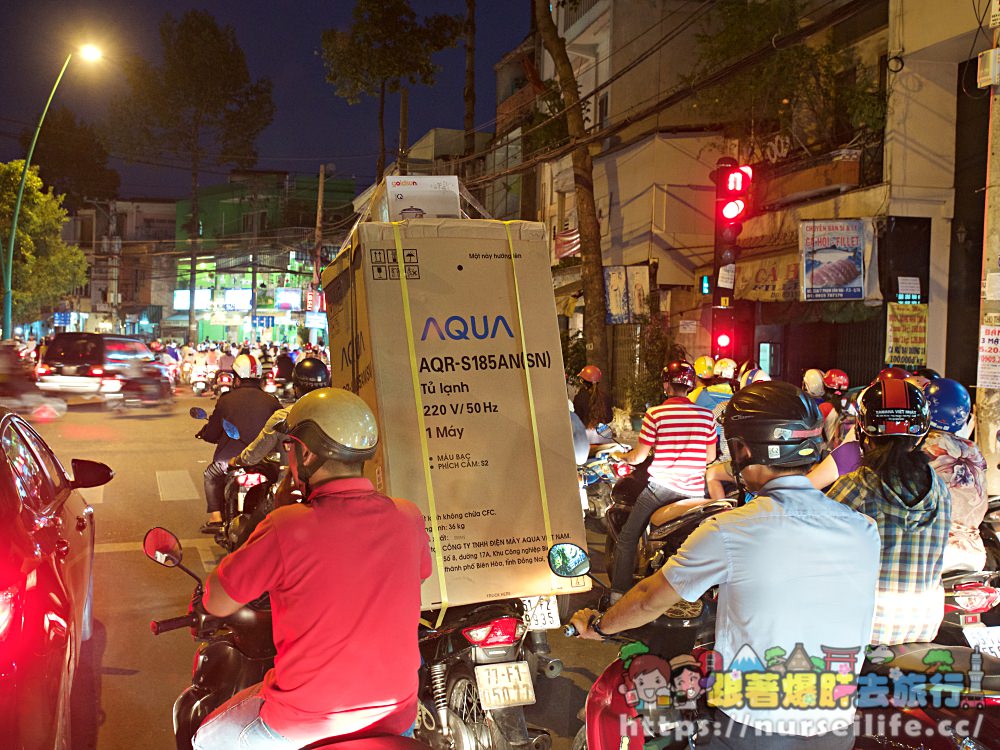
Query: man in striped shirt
[(682, 438)]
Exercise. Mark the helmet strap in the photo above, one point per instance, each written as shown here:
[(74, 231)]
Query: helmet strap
[(303, 470)]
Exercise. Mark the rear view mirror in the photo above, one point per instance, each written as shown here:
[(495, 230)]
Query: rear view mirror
[(232, 430), (90, 473), (605, 431), (197, 412), (162, 547), (568, 560)]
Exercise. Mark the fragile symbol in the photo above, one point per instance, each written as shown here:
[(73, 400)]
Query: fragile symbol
[(378, 273)]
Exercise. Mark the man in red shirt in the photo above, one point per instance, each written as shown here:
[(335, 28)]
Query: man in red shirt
[(682, 437), (343, 571)]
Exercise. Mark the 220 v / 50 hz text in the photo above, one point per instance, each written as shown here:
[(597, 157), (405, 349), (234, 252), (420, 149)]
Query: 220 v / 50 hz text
[(469, 407)]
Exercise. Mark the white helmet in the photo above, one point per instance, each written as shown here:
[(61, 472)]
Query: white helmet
[(725, 368), (334, 423), (812, 383), (246, 366)]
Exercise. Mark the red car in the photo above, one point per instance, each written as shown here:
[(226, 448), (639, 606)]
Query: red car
[(46, 562)]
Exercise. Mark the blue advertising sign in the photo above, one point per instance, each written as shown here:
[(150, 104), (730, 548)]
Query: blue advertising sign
[(262, 321), (61, 319)]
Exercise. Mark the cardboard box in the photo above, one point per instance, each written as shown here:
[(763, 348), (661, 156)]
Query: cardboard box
[(458, 432)]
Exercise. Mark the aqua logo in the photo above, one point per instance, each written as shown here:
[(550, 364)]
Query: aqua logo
[(458, 328)]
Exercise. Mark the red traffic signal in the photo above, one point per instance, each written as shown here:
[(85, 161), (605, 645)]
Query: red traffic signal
[(732, 189), (723, 341)]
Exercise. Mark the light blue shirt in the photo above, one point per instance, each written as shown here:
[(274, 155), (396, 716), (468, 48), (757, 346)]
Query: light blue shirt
[(796, 571)]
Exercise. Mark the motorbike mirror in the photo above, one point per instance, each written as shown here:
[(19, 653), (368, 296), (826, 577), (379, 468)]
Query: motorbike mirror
[(232, 430), (568, 560), (163, 547), (90, 473), (197, 412), (605, 431)]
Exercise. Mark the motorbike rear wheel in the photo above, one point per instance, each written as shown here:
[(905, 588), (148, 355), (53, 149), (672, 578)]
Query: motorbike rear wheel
[(472, 729), (580, 739)]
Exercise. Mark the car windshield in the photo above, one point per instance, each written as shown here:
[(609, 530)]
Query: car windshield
[(74, 349)]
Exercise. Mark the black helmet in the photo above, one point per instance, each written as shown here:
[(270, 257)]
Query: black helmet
[(780, 424), (891, 407), (310, 374), (680, 372)]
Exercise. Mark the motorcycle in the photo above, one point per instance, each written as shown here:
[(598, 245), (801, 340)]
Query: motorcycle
[(620, 717), (597, 477), (475, 679), (223, 382), (151, 389), (249, 493), (199, 380)]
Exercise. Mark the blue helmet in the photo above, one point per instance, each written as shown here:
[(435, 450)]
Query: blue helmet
[(949, 404)]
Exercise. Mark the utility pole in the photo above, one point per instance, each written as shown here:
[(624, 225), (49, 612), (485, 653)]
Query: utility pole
[(404, 134), (317, 258), (988, 376)]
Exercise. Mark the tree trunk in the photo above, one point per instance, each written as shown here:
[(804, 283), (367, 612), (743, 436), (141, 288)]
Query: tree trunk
[(193, 239), (469, 92), (380, 165), (594, 316), (404, 129)]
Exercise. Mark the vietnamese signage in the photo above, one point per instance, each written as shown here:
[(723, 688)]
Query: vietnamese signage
[(288, 299), (906, 335), (238, 299), (833, 259)]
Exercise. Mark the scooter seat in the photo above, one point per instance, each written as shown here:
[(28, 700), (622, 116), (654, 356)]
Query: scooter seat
[(665, 520)]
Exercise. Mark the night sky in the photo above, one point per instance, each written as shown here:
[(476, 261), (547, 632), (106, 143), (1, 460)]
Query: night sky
[(281, 40)]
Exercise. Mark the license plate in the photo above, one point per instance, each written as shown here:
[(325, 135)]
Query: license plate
[(543, 612), (987, 638), (504, 685)]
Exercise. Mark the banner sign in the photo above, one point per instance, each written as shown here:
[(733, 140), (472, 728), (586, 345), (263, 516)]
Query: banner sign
[(833, 259), (988, 370), (626, 293), (774, 279), (906, 336)]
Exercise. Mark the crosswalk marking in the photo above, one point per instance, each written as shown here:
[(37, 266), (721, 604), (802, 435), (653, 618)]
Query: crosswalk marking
[(176, 485), (204, 546), (93, 495)]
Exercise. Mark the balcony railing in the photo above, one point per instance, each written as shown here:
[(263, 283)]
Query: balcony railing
[(813, 177), (574, 14), (515, 109)]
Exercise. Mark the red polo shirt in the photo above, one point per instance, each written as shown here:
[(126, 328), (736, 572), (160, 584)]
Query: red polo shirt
[(344, 575)]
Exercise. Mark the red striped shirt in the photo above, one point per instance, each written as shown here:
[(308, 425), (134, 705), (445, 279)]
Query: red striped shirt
[(679, 433)]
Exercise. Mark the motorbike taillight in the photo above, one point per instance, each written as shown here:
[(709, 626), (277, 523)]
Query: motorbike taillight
[(250, 480), (43, 370), (500, 632), (976, 599)]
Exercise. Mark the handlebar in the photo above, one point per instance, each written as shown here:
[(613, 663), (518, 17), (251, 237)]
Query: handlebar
[(158, 627), (569, 630)]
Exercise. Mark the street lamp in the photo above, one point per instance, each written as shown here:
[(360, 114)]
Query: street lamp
[(89, 53)]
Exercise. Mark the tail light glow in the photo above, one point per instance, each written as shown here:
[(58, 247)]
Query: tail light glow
[(42, 370), (96, 371), (622, 469), (250, 480), (979, 599), (500, 632), (8, 611)]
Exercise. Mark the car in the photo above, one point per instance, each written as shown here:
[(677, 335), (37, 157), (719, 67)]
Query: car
[(89, 364), (46, 584)]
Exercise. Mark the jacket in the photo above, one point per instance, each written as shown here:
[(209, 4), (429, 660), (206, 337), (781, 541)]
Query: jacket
[(247, 407)]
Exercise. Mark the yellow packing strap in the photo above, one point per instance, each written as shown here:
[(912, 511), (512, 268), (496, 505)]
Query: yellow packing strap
[(418, 400), (531, 395)]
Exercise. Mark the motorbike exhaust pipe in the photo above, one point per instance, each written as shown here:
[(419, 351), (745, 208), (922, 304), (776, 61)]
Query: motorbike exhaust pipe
[(551, 667)]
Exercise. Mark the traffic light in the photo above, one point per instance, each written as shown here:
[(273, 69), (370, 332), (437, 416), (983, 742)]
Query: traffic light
[(732, 206), (723, 333)]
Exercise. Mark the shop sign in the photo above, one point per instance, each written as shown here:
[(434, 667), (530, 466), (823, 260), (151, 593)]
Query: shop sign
[(774, 279), (626, 293), (988, 370), (833, 258), (906, 335)]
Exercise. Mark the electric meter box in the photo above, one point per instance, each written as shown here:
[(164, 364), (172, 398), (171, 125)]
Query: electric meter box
[(447, 328)]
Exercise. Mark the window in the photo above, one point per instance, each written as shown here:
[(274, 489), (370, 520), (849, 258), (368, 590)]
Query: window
[(69, 349), (33, 486), (54, 469)]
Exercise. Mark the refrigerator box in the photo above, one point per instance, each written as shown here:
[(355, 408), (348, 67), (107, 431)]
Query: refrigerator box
[(448, 329)]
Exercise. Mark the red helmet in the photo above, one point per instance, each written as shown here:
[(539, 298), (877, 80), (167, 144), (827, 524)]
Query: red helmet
[(893, 373), (892, 407), (680, 372), (590, 373), (836, 380)]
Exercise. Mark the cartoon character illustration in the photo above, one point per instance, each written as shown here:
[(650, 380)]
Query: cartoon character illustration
[(687, 681), (646, 682), (879, 654)]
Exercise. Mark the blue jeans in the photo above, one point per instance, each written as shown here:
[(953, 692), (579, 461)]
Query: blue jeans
[(649, 501), (237, 726)]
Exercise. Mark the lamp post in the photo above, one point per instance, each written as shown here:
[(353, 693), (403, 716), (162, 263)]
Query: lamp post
[(90, 53)]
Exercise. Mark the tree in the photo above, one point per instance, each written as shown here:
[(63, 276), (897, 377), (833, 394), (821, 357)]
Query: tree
[(72, 160), (816, 94), (592, 268), (200, 107), (46, 269), (385, 48)]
